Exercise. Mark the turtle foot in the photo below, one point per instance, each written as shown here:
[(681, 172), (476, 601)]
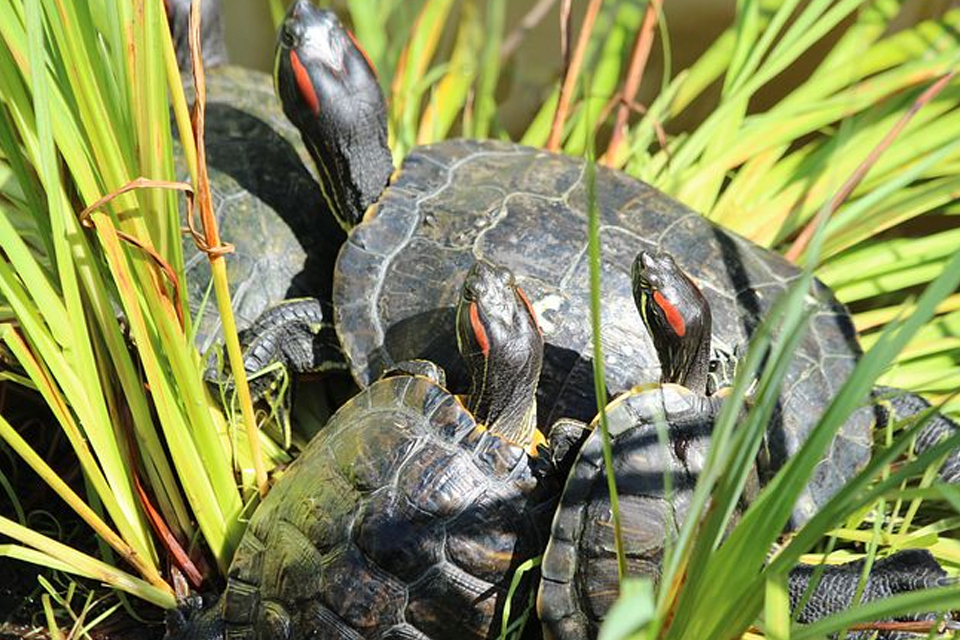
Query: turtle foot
[(935, 428), (902, 572), (290, 338), (197, 618)]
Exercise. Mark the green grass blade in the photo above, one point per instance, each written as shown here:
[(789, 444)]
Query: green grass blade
[(485, 105), (448, 98), (83, 564)]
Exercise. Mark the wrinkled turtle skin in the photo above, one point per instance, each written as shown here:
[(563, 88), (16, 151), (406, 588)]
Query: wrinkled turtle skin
[(524, 208), (907, 570), (400, 498)]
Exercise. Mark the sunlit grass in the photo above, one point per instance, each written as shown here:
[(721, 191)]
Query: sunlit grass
[(75, 127)]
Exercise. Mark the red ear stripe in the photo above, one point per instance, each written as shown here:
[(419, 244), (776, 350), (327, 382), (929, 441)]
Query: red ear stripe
[(304, 84), (533, 314), (673, 316), (478, 331), (363, 53)]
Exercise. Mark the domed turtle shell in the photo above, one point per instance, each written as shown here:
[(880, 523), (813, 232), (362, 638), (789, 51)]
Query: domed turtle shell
[(458, 201), (580, 576), (267, 205), (401, 519)]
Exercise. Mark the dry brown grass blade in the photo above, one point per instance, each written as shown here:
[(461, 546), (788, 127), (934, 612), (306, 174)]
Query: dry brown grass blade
[(571, 74), (211, 233), (922, 627), (166, 536), (803, 239), (165, 267), (638, 64)]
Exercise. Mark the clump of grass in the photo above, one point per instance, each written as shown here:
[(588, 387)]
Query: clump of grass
[(75, 127), (76, 131)]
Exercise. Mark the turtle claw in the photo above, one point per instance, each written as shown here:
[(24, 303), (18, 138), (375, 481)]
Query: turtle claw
[(289, 338), (563, 443)]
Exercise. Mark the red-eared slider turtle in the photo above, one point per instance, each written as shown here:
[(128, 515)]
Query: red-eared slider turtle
[(580, 576), (408, 514), (267, 203)]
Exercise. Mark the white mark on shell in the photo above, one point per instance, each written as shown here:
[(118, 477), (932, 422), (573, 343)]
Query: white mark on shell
[(543, 307)]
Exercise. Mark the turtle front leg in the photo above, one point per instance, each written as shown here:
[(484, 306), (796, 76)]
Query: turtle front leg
[(722, 369), (424, 368), (898, 404), (292, 337)]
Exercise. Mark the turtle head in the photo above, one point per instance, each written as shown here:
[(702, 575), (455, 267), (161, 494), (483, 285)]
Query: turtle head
[(677, 315), (211, 33), (330, 92), (501, 344)]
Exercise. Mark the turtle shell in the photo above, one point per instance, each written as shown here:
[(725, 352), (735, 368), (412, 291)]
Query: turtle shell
[(401, 519), (580, 576), (455, 202), (267, 204)]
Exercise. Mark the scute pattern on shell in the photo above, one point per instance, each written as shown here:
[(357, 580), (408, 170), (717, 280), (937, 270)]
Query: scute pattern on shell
[(266, 201), (400, 519), (454, 202), (580, 575)]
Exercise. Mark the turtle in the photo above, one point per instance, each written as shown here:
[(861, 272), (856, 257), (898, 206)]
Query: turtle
[(454, 202), (660, 429), (267, 201), (408, 514)]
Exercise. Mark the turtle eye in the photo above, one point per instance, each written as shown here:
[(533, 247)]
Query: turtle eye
[(469, 292), (289, 38)]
